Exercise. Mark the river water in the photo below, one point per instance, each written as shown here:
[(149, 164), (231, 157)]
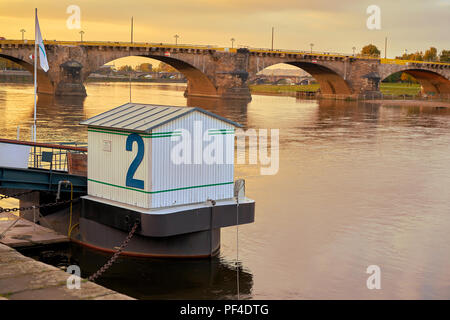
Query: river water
[(358, 184)]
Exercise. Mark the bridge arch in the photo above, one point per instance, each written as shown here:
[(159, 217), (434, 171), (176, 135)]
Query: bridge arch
[(199, 84), (432, 81), (330, 80), (45, 85)]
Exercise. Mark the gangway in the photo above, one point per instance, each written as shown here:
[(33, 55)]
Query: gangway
[(41, 166)]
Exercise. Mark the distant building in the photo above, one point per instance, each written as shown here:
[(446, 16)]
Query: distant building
[(282, 76), (106, 69), (284, 72)]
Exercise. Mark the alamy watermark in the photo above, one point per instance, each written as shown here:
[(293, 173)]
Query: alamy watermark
[(74, 280), (216, 146), (374, 19), (74, 20), (374, 280)]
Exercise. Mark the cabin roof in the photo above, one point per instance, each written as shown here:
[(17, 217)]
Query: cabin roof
[(141, 117)]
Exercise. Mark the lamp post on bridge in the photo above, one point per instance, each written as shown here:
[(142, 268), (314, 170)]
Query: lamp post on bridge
[(354, 48), (272, 36), (176, 39), (311, 45), (232, 42), (23, 32), (81, 34)]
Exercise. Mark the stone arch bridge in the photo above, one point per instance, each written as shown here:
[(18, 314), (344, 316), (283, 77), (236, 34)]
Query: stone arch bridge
[(221, 72)]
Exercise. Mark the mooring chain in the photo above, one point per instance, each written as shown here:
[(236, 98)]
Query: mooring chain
[(46, 205), (113, 259), (15, 195)]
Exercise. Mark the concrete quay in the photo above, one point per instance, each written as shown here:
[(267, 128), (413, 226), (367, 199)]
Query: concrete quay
[(23, 278)]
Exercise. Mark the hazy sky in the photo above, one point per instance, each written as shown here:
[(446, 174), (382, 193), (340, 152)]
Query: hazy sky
[(332, 25)]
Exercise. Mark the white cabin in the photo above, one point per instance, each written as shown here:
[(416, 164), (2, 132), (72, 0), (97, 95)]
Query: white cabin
[(154, 156)]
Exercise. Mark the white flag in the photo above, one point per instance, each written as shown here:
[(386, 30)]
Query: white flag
[(38, 42)]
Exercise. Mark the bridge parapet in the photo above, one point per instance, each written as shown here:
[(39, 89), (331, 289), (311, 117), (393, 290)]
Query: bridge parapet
[(214, 71)]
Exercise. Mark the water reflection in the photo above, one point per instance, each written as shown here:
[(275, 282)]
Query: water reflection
[(229, 108), (359, 183), (45, 100), (213, 278)]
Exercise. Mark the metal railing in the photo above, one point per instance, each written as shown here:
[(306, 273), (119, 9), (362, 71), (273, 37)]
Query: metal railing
[(49, 156)]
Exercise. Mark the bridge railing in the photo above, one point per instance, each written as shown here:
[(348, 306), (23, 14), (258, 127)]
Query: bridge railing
[(219, 48), (113, 43)]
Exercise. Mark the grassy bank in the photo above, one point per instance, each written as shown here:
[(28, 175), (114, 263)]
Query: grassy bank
[(269, 88), (400, 88), (386, 88)]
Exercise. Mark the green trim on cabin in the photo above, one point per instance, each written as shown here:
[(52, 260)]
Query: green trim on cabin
[(220, 131), (160, 191), (143, 135), (217, 133), (158, 134)]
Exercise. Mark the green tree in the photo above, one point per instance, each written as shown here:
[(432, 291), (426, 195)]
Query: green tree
[(370, 49), (407, 78), (145, 67), (395, 77), (126, 68), (164, 67), (444, 56), (430, 54), (416, 56)]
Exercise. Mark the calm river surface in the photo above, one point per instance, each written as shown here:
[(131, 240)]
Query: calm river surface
[(358, 185)]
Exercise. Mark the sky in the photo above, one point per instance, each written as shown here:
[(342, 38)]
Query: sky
[(331, 25)]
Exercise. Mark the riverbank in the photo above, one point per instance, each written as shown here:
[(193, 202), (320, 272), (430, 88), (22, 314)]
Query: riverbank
[(396, 89), (413, 103), (20, 76), (23, 278), (127, 79)]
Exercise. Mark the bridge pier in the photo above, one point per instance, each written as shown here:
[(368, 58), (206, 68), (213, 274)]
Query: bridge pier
[(223, 72), (71, 82)]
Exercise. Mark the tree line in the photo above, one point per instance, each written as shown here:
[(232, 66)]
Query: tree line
[(148, 67), (6, 64), (430, 55)]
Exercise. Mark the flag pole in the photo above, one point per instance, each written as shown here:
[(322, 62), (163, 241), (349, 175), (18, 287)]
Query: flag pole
[(35, 73)]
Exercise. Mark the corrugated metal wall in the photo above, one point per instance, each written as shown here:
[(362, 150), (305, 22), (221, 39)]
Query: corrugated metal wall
[(165, 182), (193, 183), (107, 170)]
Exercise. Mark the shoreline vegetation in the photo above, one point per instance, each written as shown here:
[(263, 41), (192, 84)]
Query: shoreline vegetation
[(396, 90), (386, 88)]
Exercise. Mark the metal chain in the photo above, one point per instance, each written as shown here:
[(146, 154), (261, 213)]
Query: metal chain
[(15, 195), (46, 205), (113, 259)]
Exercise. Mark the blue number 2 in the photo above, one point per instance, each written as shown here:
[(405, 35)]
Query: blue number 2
[(131, 182)]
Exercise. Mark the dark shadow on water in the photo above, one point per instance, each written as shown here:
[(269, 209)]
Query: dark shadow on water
[(150, 278), (340, 113), (61, 101), (233, 109)]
